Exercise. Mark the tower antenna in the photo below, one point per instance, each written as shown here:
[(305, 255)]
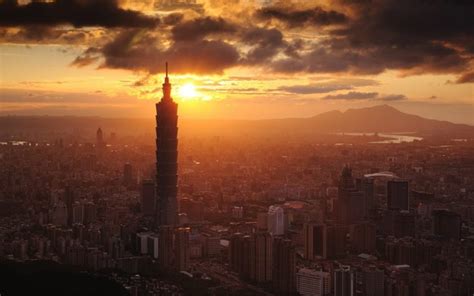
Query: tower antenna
[(166, 69)]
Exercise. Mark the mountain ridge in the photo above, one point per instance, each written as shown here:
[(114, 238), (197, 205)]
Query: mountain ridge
[(379, 118)]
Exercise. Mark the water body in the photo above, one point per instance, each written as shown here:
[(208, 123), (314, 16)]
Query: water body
[(390, 138)]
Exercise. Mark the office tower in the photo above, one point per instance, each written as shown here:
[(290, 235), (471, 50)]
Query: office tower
[(78, 213), (59, 214), (399, 223), (343, 281), (262, 221), (148, 197), (446, 224), (276, 220), (263, 256), (325, 241), (283, 267), (127, 174), (311, 282), (193, 208), (90, 212), (181, 248), (369, 281), (251, 256), (166, 157), (367, 187), (362, 238), (314, 240), (350, 205), (69, 201), (99, 138), (165, 249), (397, 195)]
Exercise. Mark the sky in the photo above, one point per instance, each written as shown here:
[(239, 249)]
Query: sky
[(237, 59)]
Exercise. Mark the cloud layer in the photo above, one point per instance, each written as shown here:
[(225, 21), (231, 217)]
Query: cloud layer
[(351, 37)]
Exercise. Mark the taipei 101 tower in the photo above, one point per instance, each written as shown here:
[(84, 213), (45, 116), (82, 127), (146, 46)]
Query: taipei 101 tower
[(166, 158)]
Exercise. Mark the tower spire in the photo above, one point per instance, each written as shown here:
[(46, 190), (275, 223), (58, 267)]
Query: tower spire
[(166, 85)]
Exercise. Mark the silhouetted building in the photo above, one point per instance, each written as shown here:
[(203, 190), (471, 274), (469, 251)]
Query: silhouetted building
[(99, 138), (350, 206), (399, 223), (276, 220), (369, 281), (397, 195), (325, 241), (167, 157), (127, 174), (148, 198), (283, 276), (362, 237), (313, 282), (446, 224), (181, 248), (343, 281), (69, 201)]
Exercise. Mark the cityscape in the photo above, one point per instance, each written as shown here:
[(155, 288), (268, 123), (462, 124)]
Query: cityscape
[(369, 194)]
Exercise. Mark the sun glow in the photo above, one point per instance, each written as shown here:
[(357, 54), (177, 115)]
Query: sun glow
[(187, 91)]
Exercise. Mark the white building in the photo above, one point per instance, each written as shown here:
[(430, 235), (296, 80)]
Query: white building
[(276, 220), (311, 282)]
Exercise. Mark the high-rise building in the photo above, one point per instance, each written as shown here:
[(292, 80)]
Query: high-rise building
[(350, 205), (166, 157), (181, 248), (324, 241), (263, 256), (397, 195), (251, 256), (311, 282), (148, 197), (369, 281), (362, 237), (367, 187), (283, 267), (69, 201), (343, 281), (446, 224), (127, 174), (399, 223), (99, 138), (165, 247), (276, 220)]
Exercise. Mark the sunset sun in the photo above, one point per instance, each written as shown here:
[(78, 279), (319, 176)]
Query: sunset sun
[(187, 91)]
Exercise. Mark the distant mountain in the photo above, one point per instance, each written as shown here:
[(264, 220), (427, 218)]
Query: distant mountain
[(382, 118)]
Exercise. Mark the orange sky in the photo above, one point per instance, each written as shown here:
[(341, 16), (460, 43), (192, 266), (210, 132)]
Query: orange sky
[(251, 61)]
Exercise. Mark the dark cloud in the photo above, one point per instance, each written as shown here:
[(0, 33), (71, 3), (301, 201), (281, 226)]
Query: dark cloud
[(297, 18), (266, 44), (353, 95), (78, 13), (313, 88), (390, 98), (200, 27), (466, 78), (390, 34), (139, 51)]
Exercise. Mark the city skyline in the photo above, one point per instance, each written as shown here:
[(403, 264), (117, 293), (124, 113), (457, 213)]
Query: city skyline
[(294, 59), (288, 148)]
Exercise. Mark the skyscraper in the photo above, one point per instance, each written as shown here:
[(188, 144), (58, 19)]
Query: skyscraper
[(166, 157), (276, 220), (148, 197), (343, 281), (397, 195), (99, 138), (283, 267)]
